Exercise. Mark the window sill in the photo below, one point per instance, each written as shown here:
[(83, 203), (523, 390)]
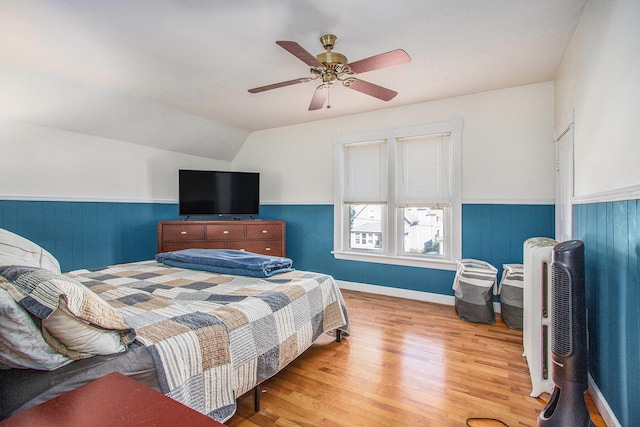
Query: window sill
[(407, 261)]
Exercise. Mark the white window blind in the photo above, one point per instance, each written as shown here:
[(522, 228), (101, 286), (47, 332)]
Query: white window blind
[(423, 177), (365, 179)]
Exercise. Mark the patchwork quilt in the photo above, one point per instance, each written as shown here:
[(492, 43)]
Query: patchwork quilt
[(214, 337)]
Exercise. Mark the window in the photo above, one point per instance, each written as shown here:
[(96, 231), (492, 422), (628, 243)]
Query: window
[(397, 196)]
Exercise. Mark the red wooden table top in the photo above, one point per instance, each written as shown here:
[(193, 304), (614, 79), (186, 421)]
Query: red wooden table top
[(113, 400)]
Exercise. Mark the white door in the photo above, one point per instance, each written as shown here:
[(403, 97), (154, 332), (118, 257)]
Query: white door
[(564, 185)]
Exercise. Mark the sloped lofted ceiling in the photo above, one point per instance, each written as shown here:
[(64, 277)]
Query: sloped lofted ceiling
[(174, 74)]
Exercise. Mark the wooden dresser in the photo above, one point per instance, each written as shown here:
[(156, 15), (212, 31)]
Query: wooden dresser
[(262, 237)]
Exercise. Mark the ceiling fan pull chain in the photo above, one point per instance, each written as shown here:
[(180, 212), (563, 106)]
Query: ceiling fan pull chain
[(328, 97)]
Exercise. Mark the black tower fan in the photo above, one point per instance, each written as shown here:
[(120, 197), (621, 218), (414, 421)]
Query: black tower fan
[(567, 407)]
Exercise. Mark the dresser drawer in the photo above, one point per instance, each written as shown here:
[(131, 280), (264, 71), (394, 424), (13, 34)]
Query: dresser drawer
[(201, 244), (182, 232), (264, 231), (264, 247), (225, 232)]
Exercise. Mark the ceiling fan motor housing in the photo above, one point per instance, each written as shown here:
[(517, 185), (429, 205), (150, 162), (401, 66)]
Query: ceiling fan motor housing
[(330, 59)]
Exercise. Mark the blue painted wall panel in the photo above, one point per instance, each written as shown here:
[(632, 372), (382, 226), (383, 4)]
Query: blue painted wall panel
[(92, 234), (88, 234), (496, 233), (309, 235), (611, 237), (310, 242)]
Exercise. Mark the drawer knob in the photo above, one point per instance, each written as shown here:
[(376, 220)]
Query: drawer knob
[(225, 232), (183, 232), (264, 231), (267, 249)]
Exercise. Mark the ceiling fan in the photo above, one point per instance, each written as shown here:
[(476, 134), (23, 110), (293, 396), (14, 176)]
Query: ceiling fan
[(329, 67)]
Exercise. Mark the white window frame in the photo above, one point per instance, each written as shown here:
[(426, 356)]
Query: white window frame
[(392, 248)]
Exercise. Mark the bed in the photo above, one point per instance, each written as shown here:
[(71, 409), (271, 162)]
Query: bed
[(200, 337)]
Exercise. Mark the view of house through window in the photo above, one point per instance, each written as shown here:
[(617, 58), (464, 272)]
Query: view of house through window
[(423, 229), (365, 224)]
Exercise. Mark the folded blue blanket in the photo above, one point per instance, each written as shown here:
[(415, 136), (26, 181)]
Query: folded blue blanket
[(227, 261)]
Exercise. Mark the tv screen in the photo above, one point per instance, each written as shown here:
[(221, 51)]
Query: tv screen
[(218, 192)]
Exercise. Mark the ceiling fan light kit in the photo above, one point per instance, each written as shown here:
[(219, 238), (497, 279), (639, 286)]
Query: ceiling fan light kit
[(329, 67)]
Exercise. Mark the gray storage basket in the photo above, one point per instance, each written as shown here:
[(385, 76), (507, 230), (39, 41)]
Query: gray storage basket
[(510, 291), (473, 286)]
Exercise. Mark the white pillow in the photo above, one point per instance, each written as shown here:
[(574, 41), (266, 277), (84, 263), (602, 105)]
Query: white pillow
[(16, 250), (78, 336), (77, 313), (21, 343)]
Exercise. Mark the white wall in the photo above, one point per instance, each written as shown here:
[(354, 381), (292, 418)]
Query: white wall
[(600, 79), (50, 164), (507, 147)]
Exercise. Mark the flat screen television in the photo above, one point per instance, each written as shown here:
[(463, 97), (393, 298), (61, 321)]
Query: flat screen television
[(218, 192)]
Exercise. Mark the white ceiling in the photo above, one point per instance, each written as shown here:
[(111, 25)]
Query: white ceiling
[(174, 73)]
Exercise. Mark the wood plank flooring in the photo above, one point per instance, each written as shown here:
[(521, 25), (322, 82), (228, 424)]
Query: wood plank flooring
[(406, 363)]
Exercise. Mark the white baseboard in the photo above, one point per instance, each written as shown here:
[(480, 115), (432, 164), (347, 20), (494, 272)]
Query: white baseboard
[(403, 293), (601, 403)]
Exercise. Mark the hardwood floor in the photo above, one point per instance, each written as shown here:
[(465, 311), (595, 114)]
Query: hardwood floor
[(406, 363)]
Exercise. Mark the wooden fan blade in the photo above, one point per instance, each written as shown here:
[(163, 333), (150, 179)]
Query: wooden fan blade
[(299, 52), (277, 85), (319, 98), (384, 60), (373, 90)]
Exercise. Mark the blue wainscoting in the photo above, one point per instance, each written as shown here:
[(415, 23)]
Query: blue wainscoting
[(88, 234), (496, 233), (611, 235), (310, 242), (491, 232), (92, 234)]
